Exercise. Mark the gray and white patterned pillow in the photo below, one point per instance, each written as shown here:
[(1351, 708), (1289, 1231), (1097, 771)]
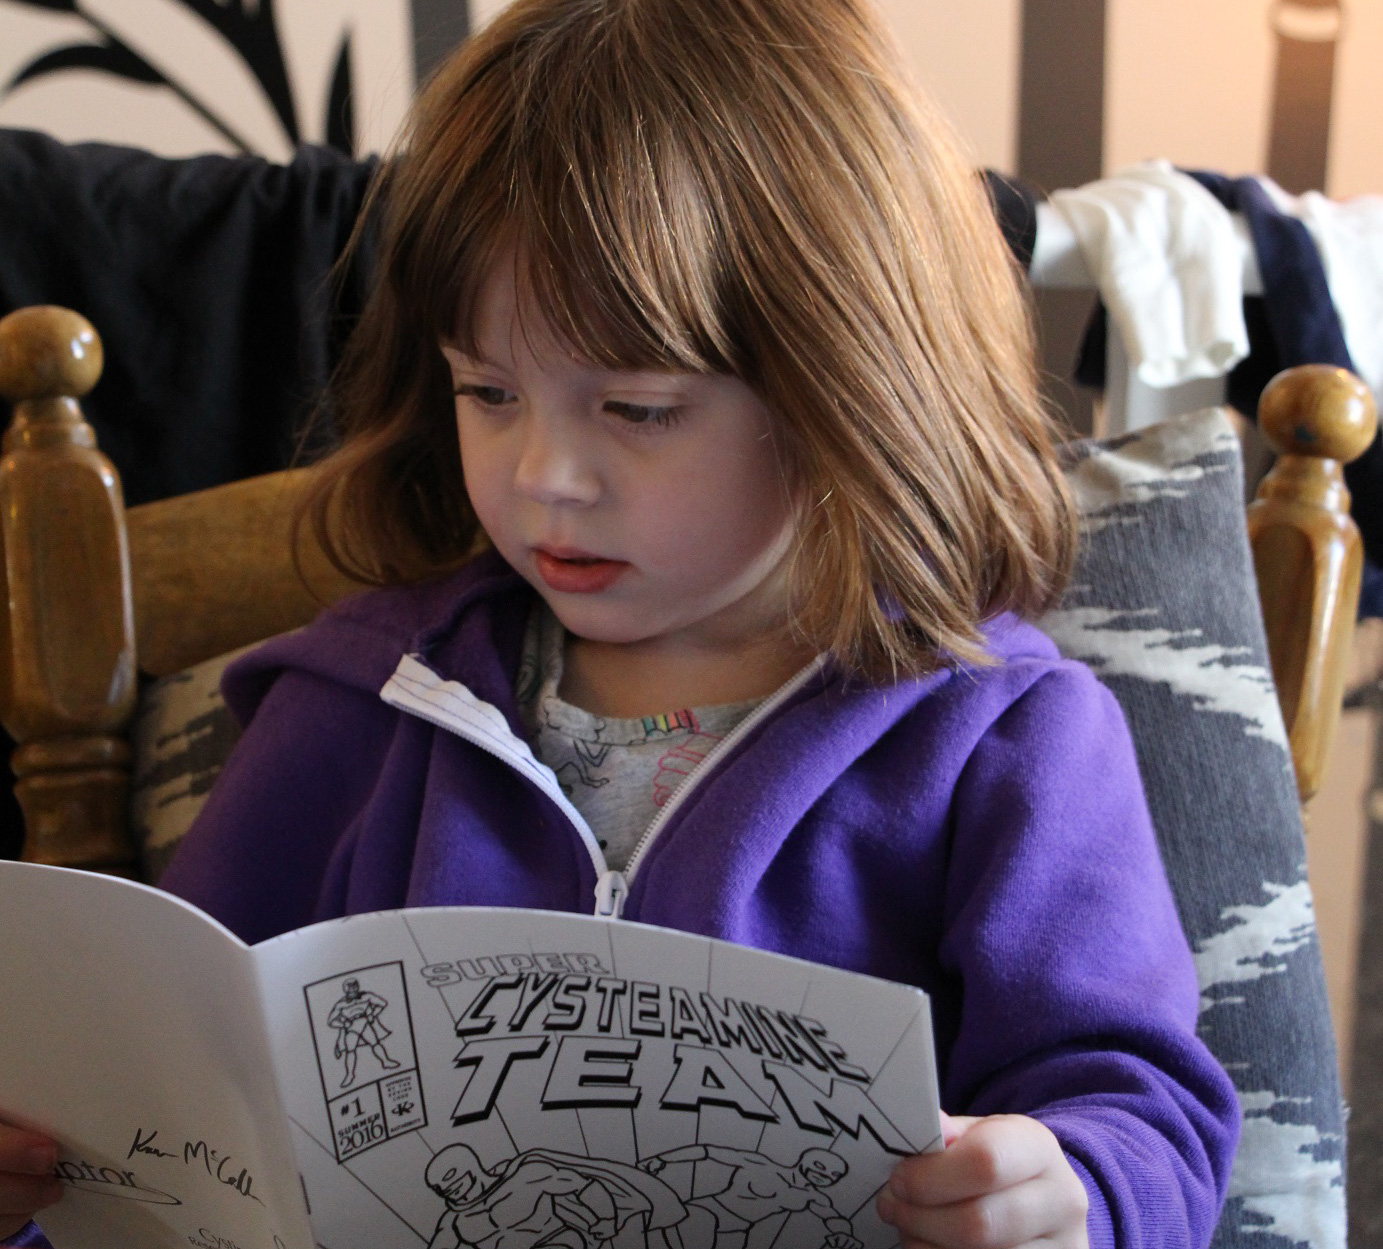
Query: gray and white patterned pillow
[(1164, 608), (182, 734)]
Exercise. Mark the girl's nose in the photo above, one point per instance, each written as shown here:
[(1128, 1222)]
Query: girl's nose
[(554, 468)]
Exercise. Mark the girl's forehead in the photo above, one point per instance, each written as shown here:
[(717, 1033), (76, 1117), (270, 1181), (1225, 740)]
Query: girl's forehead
[(510, 329), (506, 320)]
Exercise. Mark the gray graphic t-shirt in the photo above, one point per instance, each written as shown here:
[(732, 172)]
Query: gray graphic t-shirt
[(617, 773)]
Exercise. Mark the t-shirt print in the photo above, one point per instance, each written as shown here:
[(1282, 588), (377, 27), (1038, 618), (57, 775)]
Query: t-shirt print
[(616, 772)]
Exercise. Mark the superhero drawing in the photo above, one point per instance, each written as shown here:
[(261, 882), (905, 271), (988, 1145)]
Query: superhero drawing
[(380, 1098), (543, 1199), (752, 1207), (355, 1017)]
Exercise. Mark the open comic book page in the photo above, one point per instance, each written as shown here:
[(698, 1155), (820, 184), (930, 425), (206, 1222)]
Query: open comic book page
[(447, 1078), (510, 1079), (131, 1029)]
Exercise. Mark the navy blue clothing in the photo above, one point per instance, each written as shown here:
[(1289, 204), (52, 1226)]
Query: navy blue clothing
[(209, 280)]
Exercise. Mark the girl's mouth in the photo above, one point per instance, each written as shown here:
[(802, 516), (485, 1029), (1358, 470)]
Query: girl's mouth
[(570, 573)]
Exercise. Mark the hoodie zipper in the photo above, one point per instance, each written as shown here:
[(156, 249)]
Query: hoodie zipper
[(416, 689), (718, 751)]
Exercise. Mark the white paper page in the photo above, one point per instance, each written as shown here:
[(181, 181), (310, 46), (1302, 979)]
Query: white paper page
[(470, 1076), (131, 1031)]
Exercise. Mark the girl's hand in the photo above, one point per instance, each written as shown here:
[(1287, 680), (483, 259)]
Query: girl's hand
[(1002, 1182), (27, 1183)]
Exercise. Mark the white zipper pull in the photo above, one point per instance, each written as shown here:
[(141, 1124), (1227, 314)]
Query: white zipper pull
[(610, 891)]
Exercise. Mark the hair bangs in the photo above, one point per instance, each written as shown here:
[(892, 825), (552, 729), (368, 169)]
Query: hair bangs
[(594, 184)]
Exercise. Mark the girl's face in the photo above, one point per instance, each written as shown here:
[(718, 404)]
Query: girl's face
[(644, 507)]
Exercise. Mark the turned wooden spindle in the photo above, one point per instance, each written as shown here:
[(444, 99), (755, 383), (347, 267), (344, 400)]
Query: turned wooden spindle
[(67, 657), (1306, 550)]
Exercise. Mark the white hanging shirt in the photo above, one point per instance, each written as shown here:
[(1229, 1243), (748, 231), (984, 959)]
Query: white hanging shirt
[(1169, 266)]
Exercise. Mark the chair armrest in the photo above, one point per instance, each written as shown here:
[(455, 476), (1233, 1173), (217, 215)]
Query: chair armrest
[(216, 570)]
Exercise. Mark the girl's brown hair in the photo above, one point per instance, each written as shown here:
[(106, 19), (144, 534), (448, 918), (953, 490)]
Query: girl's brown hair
[(729, 186)]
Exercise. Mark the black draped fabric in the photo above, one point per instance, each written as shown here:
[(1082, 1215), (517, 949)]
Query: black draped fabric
[(1015, 208), (210, 282)]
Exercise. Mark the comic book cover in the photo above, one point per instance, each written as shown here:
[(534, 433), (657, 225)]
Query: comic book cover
[(471, 1077)]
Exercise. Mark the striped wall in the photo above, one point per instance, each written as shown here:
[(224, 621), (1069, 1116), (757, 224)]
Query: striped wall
[(1055, 89)]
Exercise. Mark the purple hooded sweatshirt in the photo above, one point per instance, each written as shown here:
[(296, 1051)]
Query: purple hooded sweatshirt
[(979, 832)]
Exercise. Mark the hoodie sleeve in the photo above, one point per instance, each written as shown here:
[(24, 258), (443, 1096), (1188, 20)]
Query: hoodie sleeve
[(1078, 989), (260, 852)]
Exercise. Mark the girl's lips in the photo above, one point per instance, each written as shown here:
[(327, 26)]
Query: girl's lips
[(580, 574)]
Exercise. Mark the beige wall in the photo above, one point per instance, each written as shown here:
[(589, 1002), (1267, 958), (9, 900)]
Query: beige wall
[(1202, 101), (1189, 80), (1356, 139), (967, 56)]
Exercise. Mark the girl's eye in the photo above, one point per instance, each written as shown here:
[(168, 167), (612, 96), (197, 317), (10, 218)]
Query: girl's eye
[(643, 414), (488, 396)]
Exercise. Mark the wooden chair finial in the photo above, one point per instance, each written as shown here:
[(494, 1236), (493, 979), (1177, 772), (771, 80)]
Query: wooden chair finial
[(1318, 411), (67, 660), (47, 353), (1307, 551)]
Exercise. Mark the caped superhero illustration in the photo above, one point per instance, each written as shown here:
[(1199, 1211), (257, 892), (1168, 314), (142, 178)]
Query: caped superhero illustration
[(543, 1199), (355, 1016)]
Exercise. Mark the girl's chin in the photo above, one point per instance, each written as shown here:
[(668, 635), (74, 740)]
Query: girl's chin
[(607, 623), (601, 632)]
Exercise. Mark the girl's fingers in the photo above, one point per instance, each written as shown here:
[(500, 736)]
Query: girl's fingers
[(1016, 1216), (27, 1183), (26, 1153), (955, 1126), (990, 1154)]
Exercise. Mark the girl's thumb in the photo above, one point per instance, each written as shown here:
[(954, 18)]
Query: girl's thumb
[(953, 1127)]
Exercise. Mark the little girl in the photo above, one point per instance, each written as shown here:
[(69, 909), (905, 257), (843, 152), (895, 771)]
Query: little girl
[(695, 320)]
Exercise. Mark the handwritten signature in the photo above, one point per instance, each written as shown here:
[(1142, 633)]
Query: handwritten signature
[(145, 1145), (220, 1167)]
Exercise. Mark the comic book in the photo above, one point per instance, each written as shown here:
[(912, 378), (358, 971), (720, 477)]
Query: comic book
[(446, 1077)]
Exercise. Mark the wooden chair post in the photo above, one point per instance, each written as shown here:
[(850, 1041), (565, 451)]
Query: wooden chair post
[(67, 657), (1307, 551)]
